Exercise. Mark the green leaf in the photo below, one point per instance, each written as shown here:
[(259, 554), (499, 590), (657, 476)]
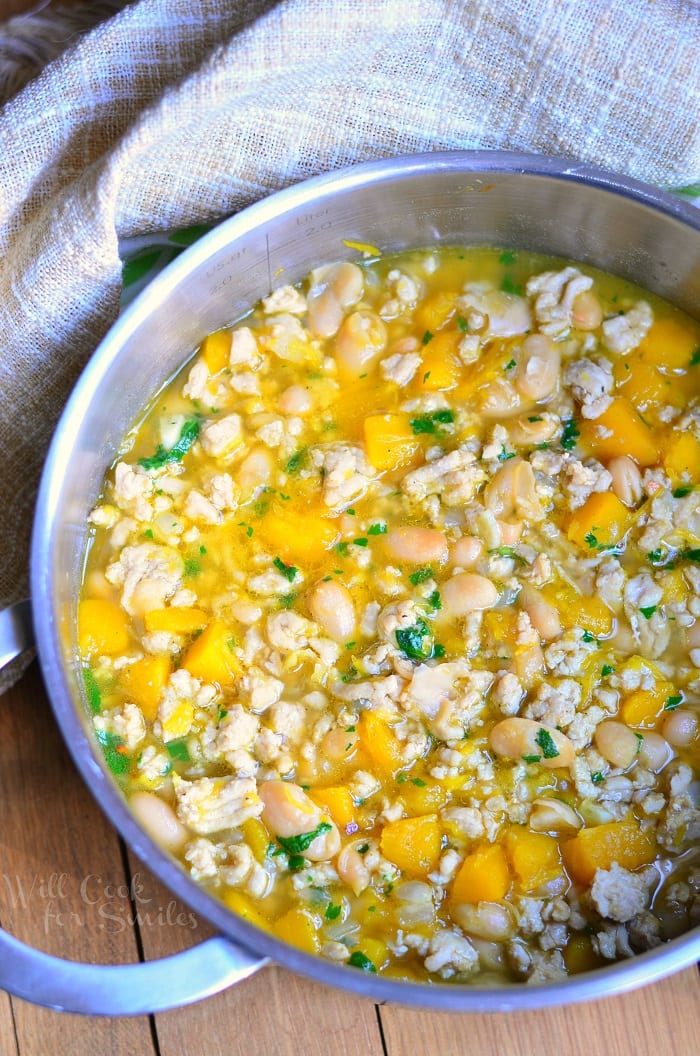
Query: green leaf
[(569, 435), (187, 235), (288, 571), (429, 423), (179, 750), (191, 567), (508, 257), (297, 461), (299, 844), (420, 575), (606, 669), (462, 324), (92, 689), (188, 435), (115, 752), (597, 777), (648, 611), (417, 643), (140, 264), (531, 758), (376, 529), (332, 911), (359, 960), (426, 338), (673, 702), (509, 285), (544, 740)]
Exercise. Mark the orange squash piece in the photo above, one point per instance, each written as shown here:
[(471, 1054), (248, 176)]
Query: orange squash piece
[(215, 350), (303, 537), (682, 458), (442, 368), (484, 876), (624, 842), (381, 745), (534, 857), (601, 521), (338, 801), (144, 681), (183, 619), (434, 312), (644, 707), (103, 628), (619, 431), (390, 442), (670, 344), (210, 657), (413, 844)]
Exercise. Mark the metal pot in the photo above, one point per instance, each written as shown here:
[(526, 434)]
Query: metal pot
[(514, 200)]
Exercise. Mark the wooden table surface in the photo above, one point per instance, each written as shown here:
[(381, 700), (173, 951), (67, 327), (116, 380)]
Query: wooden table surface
[(64, 886)]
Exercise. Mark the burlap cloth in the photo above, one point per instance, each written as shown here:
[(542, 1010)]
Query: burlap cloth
[(174, 112)]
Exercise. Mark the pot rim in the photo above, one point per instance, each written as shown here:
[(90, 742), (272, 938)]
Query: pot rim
[(616, 978)]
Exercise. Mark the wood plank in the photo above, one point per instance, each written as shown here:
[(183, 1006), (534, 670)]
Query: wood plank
[(658, 1020), (284, 1013), (61, 874), (8, 1041)]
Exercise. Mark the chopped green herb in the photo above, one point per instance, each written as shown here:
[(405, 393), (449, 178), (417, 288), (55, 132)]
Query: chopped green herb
[(427, 375), (588, 637), (415, 642), (188, 435), (362, 541), (350, 729), (504, 454), (462, 324), (655, 556), (606, 669), (418, 782), (597, 777), (115, 752), (536, 418), (640, 741), (350, 511), (695, 358), (93, 691), (222, 714), (297, 461), (690, 555), (569, 435), (402, 779), (420, 575), (287, 600), (648, 611), (438, 651), (191, 567), (508, 285), (429, 423), (202, 551), (531, 758), (544, 740), (363, 849), (680, 493), (288, 571), (376, 529), (359, 960), (510, 364), (350, 645), (179, 750), (673, 702), (435, 601), (296, 863), (332, 911), (299, 844), (343, 549), (426, 338), (507, 257), (148, 534)]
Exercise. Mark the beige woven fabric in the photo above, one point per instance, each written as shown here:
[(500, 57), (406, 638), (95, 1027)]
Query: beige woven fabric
[(174, 112)]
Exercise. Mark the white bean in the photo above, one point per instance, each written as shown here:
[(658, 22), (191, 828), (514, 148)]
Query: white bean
[(334, 288), (543, 616), (361, 338), (255, 469), (517, 738), (288, 811), (527, 663), (551, 815), (693, 635), (416, 545), (331, 606), (680, 728), (338, 744), (587, 313), (466, 552), (485, 920), (500, 400), (468, 592), (526, 431), (511, 492), (511, 531), (655, 751), (626, 479), (617, 743), (352, 869), (159, 820), (295, 400), (538, 369)]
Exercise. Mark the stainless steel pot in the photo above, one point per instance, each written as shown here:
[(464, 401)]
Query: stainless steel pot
[(513, 200)]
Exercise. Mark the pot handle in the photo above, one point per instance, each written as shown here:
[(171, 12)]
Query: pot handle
[(123, 989), (105, 989), (16, 632)]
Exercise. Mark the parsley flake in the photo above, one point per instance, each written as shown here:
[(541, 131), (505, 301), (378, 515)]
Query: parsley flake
[(673, 702), (188, 435), (288, 571), (426, 338), (360, 960), (332, 911), (648, 611), (377, 529), (420, 575), (429, 423), (544, 740), (299, 844), (597, 777), (569, 434)]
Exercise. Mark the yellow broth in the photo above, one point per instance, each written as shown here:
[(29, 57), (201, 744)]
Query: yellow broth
[(390, 619)]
